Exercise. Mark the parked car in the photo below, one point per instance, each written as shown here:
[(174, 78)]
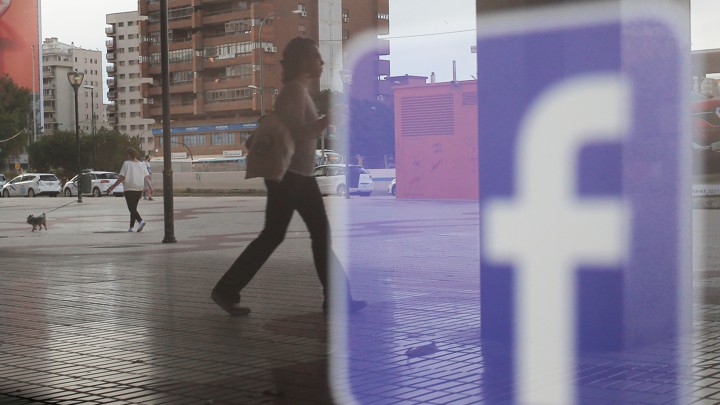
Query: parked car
[(392, 188), (99, 183), (3, 180), (332, 180), (31, 185), (327, 156)]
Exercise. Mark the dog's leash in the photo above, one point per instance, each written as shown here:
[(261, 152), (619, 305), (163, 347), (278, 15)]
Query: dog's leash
[(62, 206)]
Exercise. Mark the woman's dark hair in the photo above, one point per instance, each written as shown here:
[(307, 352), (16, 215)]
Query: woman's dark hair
[(295, 53)]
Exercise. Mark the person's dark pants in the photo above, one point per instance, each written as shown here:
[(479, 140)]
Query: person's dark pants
[(295, 192), (132, 198)]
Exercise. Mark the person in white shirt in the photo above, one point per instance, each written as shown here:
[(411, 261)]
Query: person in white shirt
[(134, 176)]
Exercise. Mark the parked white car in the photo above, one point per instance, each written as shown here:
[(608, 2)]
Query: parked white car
[(99, 183), (31, 185), (331, 179), (392, 188)]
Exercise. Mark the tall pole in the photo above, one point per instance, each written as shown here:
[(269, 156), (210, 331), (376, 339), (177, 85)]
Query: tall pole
[(76, 78), (167, 151), (77, 141)]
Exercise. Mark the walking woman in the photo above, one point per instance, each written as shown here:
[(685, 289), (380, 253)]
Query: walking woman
[(134, 176), (297, 191)]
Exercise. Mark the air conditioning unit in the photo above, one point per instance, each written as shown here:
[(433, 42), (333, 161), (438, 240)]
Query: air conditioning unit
[(346, 19), (276, 92), (303, 13), (271, 49)]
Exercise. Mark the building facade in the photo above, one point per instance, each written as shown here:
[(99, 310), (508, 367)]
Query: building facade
[(225, 62), (125, 80), (436, 141), (58, 95)]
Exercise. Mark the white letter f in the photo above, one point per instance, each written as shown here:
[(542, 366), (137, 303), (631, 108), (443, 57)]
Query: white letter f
[(546, 231)]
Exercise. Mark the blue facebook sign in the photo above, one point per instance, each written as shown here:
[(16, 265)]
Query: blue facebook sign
[(583, 224)]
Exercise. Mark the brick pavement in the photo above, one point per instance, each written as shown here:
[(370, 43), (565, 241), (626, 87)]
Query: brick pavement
[(90, 313)]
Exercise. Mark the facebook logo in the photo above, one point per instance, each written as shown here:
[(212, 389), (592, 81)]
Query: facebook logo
[(581, 202)]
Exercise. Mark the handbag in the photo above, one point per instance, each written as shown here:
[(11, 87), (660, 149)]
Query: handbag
[(270, 149)]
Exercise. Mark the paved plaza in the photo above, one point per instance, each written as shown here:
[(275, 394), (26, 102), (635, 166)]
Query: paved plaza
[(93, 314)]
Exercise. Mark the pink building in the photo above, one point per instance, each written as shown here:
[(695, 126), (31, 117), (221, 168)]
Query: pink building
[(436, 145)]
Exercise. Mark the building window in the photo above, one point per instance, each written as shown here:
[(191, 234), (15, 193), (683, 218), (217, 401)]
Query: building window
[(182, 76), (242, 70), (302, 7), (301, 30), (195, 140), (131, 23), (345, 15), (223, 138), (345, 34), (121, 37), (226, 95), (228, 50), (180, 13), (383, 16), (121, 24)]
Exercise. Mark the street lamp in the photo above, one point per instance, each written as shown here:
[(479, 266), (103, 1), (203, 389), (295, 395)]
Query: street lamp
[(76, 79), (92, 121), (262, 52)]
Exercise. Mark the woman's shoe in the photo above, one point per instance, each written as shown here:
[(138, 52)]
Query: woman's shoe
[(232, 308)]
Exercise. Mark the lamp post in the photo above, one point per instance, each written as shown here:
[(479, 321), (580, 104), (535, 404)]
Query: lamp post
[(92, 120), (262, 52), (76, 79)]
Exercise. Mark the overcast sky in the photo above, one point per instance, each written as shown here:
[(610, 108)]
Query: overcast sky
[(421, 53)]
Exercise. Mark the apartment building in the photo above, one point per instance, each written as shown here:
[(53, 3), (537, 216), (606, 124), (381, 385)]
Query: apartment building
[(125, 80), (225, 62), (58, 95)]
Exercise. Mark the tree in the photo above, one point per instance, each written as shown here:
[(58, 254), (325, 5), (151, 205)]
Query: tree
[(15, 116), (372, 131), (58, 152)]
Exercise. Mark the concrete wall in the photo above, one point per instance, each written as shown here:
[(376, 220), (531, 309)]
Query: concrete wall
[(236, 182)]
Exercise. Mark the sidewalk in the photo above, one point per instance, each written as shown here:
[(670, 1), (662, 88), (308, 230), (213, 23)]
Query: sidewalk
[(90, 313)]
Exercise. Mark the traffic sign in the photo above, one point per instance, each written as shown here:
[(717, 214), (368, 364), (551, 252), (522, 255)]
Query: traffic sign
[(582, 198)]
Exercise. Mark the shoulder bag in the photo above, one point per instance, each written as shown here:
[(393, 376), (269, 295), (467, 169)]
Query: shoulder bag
[(270, 149)]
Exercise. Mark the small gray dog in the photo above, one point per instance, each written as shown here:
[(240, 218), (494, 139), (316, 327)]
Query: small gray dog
[(37, 222)]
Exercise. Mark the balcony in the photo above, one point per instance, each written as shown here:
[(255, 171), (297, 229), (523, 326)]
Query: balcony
[(383, 67), (112, 120), (110, 30), (110, 43), (175, 88), (175, 109), (110, 56), (224, 15), (111, 108), (111, 82), (110, 69), (235, 105), (112, 95)]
